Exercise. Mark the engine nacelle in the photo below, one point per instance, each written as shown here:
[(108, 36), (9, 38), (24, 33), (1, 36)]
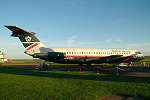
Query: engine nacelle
[(50, 55)]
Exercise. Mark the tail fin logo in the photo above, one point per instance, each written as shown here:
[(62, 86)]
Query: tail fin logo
[(32, 46), (28, 38)]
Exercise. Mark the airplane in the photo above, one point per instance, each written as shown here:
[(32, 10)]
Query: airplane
[(79, 56)]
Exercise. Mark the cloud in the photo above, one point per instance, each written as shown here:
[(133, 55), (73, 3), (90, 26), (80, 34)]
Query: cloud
[(90, 43), (71, 39), (118, 40), (108, 41)]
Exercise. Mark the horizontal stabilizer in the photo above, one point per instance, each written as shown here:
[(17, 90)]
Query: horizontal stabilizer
[(28, 39), (17, 31)]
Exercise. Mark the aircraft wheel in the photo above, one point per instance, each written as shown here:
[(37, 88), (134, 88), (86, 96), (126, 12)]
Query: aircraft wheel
[(89, 66), (80, 65)]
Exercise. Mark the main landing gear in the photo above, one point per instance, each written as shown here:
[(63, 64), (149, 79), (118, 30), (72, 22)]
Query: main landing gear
[(87, 66), (80, 65), (42, 66)]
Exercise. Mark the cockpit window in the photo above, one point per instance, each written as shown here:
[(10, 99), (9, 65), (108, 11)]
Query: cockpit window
[(137, 52)]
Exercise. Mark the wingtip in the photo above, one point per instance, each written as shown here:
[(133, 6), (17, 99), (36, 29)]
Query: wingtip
[(5, 25)]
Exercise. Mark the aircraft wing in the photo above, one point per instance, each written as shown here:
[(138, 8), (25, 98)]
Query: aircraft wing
[(106, 58), (17, 31)]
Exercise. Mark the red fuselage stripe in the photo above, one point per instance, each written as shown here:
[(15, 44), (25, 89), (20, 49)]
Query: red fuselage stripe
[(32, 46), (91, 56), (84, 56), (127, 58)]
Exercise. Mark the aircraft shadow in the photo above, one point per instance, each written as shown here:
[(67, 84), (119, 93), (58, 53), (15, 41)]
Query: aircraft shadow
[(55, 74)]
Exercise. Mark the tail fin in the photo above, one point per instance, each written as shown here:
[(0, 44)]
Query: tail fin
[(28, 39)]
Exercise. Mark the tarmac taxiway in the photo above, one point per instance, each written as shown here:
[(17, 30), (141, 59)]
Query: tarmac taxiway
[(123, 71)]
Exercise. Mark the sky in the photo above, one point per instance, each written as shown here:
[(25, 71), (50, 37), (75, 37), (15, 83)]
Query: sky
[(122, 24)]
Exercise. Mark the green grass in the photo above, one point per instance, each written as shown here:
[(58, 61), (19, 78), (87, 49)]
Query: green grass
[(148, 60), (20, 84)]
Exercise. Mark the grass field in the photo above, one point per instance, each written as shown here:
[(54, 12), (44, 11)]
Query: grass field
[(20, 84), (148, 60)]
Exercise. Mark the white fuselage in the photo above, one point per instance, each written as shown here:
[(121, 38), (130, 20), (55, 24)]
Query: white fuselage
[(89, 52)]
